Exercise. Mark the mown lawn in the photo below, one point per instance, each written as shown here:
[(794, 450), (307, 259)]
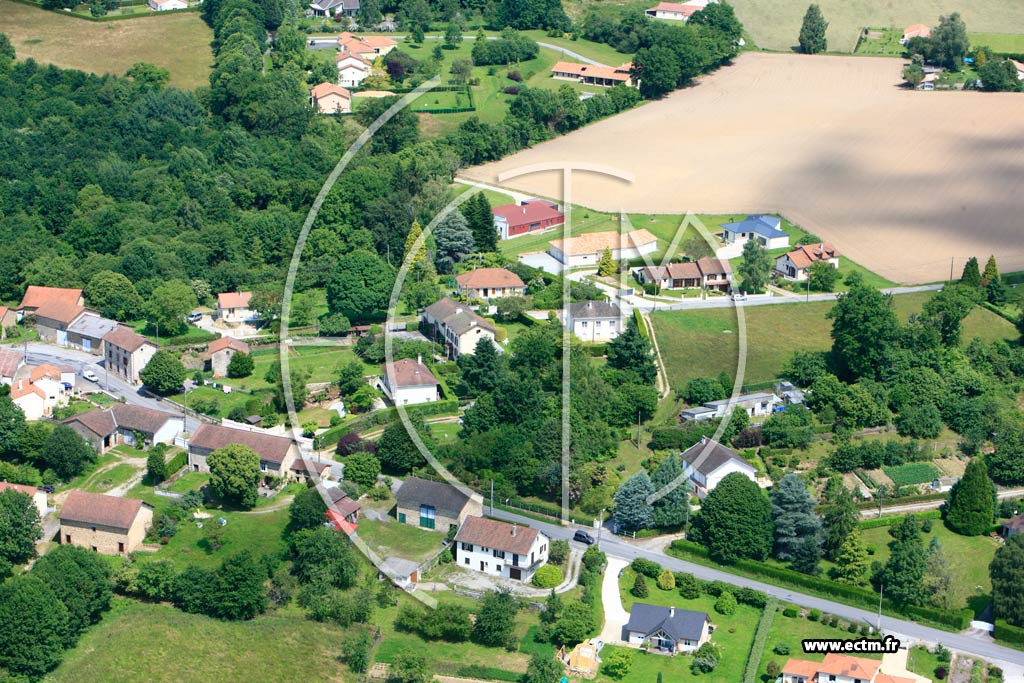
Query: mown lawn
[(189, 481), (998, 42), (109, 479), (887, 44), (922, 662), (138, 641), (389, 539), (177, 42), (703, 343), (734, 635), (792, 631)]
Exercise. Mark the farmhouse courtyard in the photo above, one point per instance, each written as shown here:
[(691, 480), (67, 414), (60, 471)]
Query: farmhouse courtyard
[(900, 181)]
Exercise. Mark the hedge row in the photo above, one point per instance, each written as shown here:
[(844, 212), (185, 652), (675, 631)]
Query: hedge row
[(887, 521), (1008, 633), (764, 626), (859, 597), (387, 416), (176, 463), (905, 499), (641, 326)]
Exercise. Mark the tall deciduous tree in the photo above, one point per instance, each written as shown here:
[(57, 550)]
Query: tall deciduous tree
[(496, 619), (793, 516), (307, 511), (942, 588), (1007, 571), (1006, 463), (114, 295), (735, 521), (657, 69), (951, 42), (754, 268), (164, 373), (67, 453), (632, 511), (20, 527), (33, 627), (235, 474), (632, 351), (970, 509), (81, 580), (397, 451), (864, 327), (812, 32), (168, 305), (360, 287), (12, 426)]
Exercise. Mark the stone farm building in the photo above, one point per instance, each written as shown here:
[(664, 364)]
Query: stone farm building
[(508, 551), (534, 215), (276, 453), (434, 505), (219, 352), (587, 249), (107, 524), (123, 423), (489, 283), (10, 362), (8, 321), (594, 74)]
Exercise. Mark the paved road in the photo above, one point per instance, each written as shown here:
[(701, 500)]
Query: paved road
[(1011, 661), (331, 43), (930, 504), (81, 360)]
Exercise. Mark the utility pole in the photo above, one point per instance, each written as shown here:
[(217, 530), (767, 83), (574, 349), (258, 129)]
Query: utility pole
[(881, 590), (600, 528), (951, 268), (808, 288), (638, 429), (492, 497)]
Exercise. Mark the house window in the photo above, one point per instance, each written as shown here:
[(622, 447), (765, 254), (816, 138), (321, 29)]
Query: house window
[(427, 516), (401, 517), (498, 553), (467, 560), (583, 324), (120, 547), (67, 538), (831, 677), (467, 546)]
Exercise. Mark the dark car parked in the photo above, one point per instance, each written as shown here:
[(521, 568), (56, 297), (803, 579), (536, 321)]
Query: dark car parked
[(583, 537)]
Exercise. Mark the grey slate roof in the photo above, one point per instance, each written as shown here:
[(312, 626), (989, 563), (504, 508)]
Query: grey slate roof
[(459, 317), (766, 226), (679, 624), (92, 326), (743, 398), (442, 497), (716, 456), (594, 309)]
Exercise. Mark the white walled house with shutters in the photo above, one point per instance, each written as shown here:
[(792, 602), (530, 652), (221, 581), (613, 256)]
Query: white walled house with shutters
[(500, 549)]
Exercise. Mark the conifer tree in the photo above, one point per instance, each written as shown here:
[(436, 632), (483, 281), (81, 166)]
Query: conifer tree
[(971, 506)]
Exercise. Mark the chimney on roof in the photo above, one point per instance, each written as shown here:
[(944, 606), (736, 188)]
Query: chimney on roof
[(821, 250), (703, 440), (671, 612), (419, 358), (514, 529)]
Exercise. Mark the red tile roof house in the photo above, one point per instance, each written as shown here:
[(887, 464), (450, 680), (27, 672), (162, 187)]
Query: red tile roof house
[(277, 453), (915, 31), (126, 353), (500, 549), (352, 69), (36, 296), (219, 352), (328, 98), (839, 669), (490, 283), (123, 423), (107, 524), (53, 318), (32, 399), (368, 47), (674, 10), (233, 307), (595, 74), (534, 215), (407, 382), (37, 495), (796, 264), (10, 362)]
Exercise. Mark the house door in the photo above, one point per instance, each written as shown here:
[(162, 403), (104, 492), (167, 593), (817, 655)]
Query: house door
[(62, 337), (482, 565), (515, 573), (86, 344), (401, 517)]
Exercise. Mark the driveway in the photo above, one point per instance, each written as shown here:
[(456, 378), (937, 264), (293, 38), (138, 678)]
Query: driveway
[(615, 615), (895, 664)]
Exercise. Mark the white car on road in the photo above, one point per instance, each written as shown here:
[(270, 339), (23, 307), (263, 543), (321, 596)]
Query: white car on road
[(90, 375)]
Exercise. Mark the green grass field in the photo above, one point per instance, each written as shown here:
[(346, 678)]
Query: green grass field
[(999, 42), (190, 481), (792, 631), (112, 478), (138, 641), (773, 334), (911, 473), (884, 42), (401, 540), (922, 662), (177, 42), (775, 25), (734, 634)]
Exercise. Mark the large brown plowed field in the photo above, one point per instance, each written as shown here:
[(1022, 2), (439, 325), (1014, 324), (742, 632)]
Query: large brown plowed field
[(900, 181)]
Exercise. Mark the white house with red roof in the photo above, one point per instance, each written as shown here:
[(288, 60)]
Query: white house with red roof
[(796, 264), (233, 307), (489, 283), (915, 31), (532, 215), (37, 495), (408, 382), (595, 74), (676, 11), (368, 47), (329, 98), (33, 400), (508, 551), (836, 668), (352, 69)]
